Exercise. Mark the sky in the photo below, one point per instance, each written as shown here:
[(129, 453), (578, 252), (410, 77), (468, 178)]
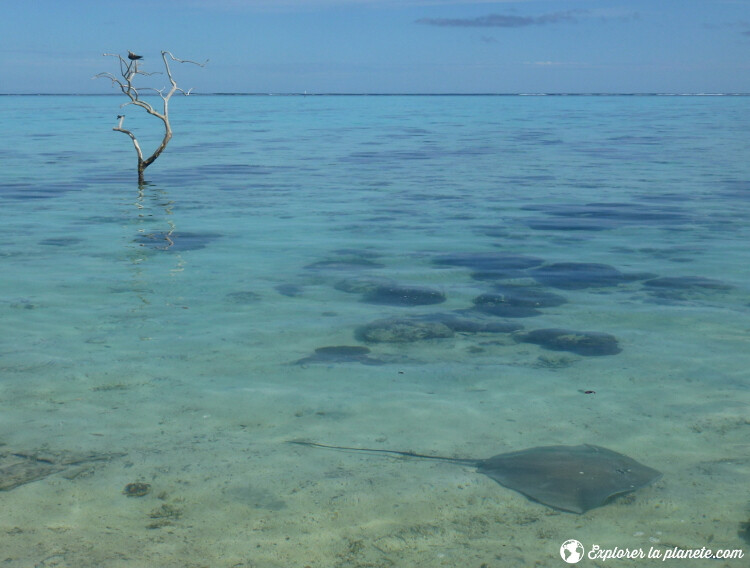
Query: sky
[(384, 46)]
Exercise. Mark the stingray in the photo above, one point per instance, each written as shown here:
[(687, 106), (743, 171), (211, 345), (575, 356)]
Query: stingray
[(574, 479)]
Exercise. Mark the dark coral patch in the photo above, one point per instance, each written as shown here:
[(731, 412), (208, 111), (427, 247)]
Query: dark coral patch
[(503, 305), (588, 343), (494, 275), (490, 265), (342, 351), (347, 259), (60, 241), (693, 283), (578, 275), (392, 295), (460, 324), (402, 330), (601, 216), (362, 253), (532, 297), (243, 297), (341, 354), (175, 241), (430, 326), (517, 301), (684, 287), (289, 290), (28, 191), (360, 284), (488, 261)]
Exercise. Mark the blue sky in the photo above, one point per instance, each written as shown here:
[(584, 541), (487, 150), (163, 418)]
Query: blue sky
[(398, 46)]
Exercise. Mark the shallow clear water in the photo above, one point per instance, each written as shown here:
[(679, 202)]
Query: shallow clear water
[(177, 325)]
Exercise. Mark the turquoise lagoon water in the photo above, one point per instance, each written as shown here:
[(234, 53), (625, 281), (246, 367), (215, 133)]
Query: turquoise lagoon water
[(171, 330)]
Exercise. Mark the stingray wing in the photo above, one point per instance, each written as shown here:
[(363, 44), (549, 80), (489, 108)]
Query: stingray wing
[(569, 478)]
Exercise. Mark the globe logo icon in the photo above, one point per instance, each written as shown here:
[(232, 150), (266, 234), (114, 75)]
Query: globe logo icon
[(571, 551)]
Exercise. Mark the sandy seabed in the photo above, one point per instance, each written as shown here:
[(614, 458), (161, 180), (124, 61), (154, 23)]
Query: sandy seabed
[(208, 432)]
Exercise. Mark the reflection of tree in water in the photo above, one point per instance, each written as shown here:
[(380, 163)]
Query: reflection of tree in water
[(161, 280), (155, 247), (155, 230), (166, 238)]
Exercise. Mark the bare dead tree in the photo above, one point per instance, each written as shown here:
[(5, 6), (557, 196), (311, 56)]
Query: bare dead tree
[(129, 71)]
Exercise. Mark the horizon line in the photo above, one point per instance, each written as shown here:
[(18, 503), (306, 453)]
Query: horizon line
[(411, 94)]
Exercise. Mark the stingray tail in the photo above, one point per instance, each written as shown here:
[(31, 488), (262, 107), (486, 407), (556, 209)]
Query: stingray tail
[(462, 461)]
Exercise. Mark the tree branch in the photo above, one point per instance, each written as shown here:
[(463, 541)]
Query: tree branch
[(137, 146)]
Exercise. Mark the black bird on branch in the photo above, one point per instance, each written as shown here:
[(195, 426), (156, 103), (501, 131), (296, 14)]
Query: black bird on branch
[(133, 57)]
